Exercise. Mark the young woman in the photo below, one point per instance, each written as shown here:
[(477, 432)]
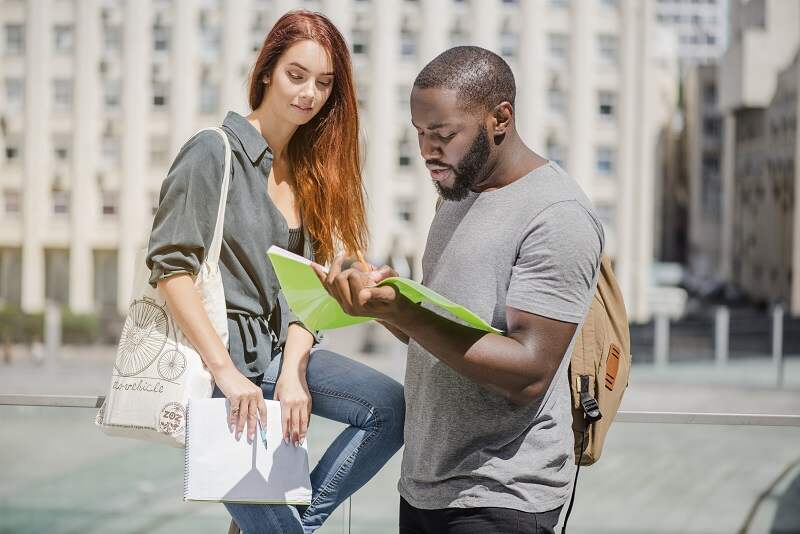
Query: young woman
[(295, 183)]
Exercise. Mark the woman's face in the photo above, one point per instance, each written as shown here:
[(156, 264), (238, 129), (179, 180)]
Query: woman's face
[(301, 82)]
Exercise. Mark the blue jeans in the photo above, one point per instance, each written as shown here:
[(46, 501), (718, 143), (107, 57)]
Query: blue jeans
[(349, 392)]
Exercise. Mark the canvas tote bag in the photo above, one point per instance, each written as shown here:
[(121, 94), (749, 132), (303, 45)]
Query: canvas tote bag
[(157, 370)]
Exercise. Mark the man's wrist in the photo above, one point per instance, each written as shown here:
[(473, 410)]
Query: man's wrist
[(404, 313)]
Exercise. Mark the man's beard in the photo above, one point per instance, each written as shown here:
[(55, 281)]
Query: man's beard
[(467, 172)]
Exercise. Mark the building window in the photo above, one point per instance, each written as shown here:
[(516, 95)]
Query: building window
[(606, 104), (56, 283), (606, 157), (710, 164), (160, 96), (609, 4), (558, 44), (209, 97), (110, 150), (62, 95), (509, 43), (408, 44), (360, 40), (10, 275), (112, 39), (154, 202), (61, 148), (459, 35), (15, 39), (63, 39), (158, 151), (560, 4), (362, 94), (13, 150), (109, 203), (161, 35), (403, 96), (105, 279), (556, 153), (11, 203), (404, 152), (60, 202), (112, 94), (15, 95), (211, 43), (608, 48), (712, 126), (606, 213), (557, 100), (405, 210), (710, 94)]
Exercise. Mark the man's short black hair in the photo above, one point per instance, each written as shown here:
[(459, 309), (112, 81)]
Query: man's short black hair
[(482, 78)]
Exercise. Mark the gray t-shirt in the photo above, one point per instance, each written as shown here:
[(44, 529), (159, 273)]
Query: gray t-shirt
[(533, 245)]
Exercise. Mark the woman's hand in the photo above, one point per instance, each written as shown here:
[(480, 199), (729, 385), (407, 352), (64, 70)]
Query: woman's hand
[(292, 391), (247, 402)]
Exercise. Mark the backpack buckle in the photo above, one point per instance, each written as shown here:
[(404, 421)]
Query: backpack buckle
[(590, 407), (589, 403)]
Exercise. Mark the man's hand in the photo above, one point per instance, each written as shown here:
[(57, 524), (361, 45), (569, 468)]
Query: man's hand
[(356, 292)]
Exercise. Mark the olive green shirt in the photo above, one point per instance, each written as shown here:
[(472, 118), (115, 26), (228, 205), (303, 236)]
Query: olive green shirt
[(258, 316)]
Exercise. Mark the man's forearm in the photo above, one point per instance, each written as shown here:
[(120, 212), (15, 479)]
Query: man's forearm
[(499, 363)]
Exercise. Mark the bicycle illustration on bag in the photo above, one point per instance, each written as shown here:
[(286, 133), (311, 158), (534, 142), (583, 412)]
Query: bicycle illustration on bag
[(143, 339)]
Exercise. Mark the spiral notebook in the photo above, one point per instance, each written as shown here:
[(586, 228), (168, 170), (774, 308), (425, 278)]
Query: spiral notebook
[(218, 468)]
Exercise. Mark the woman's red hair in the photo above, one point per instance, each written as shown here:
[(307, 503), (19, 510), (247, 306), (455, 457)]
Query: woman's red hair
[(323, 154)]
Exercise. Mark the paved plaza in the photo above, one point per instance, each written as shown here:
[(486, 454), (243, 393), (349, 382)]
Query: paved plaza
[(61, 475)]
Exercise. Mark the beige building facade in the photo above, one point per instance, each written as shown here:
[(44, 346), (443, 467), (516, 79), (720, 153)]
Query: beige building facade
[(98, 95)]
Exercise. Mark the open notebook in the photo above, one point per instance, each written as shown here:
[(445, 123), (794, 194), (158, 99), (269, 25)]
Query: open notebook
[(220, 469), (319, 311)]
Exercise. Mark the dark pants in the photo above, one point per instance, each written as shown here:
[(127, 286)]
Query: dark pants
[(475, 521)]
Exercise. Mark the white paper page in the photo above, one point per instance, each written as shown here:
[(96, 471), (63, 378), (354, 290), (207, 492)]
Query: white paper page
[(221, 469)]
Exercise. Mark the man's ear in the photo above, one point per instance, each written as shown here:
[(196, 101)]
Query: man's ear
[(502, 115)]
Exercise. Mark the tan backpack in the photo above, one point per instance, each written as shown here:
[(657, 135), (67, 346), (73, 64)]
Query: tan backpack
[(599, 367)]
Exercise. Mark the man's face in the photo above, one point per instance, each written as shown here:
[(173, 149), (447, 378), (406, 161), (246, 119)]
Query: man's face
[(453, 142)]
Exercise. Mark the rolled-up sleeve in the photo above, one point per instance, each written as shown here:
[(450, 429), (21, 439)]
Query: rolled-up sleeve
[(183, 226)]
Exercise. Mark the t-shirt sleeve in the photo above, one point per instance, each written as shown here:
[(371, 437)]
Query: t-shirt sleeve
[(558, 259), (184, 222)]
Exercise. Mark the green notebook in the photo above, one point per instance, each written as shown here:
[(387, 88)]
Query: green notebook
[(319, 311)]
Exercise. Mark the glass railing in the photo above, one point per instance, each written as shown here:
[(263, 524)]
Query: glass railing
[(700, 473)]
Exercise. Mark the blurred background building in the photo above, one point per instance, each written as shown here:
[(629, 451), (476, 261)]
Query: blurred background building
[(630, 96), (759, 101)]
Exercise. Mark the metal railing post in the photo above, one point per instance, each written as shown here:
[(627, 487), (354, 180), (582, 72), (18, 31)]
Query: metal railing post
[(722, 324), (777, 343), (661, 341), (52, 332)]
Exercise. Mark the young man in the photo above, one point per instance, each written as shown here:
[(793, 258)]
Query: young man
[(489, 446)]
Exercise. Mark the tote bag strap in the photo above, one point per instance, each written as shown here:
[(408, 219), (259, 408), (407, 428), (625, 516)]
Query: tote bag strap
[(216, 243)]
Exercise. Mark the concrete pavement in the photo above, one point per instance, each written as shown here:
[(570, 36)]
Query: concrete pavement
[(59, 474)]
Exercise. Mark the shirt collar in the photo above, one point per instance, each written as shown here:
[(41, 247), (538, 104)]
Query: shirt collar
[(252, 141)]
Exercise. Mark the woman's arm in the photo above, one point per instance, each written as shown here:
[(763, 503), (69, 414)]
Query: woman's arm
[(291, 388), (187, 308)]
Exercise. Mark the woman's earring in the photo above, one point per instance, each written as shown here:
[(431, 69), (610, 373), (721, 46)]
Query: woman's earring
[(266, 81)]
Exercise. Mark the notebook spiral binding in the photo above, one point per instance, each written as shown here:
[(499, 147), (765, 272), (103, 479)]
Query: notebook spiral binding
[(186, 456)]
